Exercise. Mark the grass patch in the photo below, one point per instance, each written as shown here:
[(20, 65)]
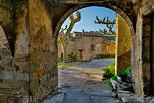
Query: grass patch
[(60, 64)]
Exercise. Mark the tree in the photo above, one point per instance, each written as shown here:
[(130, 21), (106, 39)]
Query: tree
[(109, 25), (65, 37)]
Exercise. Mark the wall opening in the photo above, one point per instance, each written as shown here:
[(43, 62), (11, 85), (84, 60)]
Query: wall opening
[(80, 51)]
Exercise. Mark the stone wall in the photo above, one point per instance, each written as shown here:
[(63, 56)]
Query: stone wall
[(123, 44), (43, 52), (141, 64), (14, 51), (84, 43), (14, 78), (7, 17)]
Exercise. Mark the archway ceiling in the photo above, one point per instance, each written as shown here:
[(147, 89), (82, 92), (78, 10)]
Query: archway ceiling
[(129, 7)]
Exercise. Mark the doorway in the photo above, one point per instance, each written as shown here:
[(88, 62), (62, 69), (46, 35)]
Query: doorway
[(80, 54)]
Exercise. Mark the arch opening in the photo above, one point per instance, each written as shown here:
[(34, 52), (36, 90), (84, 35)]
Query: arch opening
[(80, 52)]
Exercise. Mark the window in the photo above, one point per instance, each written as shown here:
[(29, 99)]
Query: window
[(92, 47), (107, 47)]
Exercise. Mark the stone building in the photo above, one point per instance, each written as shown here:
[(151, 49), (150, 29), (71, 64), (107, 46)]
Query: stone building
[(90, 45), (28, 53)]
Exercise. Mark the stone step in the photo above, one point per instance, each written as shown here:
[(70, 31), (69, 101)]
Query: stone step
[(125, 97)]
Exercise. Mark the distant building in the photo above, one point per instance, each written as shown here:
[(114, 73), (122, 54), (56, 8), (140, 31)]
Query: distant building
[(90, 45)]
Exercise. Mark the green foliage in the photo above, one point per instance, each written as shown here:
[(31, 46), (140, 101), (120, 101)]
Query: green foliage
[(125, 72), (112, 65), (60, 64), (72, 57), (128, 70), (114, 78), (109, 82), (109, 71), (121, 72)]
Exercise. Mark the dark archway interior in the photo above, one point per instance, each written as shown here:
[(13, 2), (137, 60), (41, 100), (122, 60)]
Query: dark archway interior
[(152, 55)]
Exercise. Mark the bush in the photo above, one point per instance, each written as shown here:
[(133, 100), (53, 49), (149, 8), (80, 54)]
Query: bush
[(128, 70), (114, 78), (124, 74), (109, 71), (72, 57)]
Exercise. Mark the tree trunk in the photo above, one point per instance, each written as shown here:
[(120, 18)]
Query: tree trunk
[(65, 53)]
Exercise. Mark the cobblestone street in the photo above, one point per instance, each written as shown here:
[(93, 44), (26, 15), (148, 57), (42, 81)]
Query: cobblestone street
[(83, 84)]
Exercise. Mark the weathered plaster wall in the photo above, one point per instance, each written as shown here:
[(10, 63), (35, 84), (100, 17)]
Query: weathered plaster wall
[(43, 52), (108, 47), (123, 44)]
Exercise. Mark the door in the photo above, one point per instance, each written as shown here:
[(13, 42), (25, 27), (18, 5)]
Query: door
[(152, 56), (80, 54)]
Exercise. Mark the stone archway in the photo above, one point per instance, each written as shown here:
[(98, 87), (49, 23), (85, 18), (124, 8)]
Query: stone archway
[(130, 18), (42, 20)]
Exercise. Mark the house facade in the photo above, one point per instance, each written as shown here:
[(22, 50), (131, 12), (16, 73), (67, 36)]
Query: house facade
[(89, 45)]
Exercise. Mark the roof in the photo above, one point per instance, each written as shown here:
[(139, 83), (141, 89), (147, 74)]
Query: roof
[(110, 38), (96, 34), (88, 34)]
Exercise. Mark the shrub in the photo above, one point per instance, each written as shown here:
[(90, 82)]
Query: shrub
[(124, 74), (109, 71), (72, 57), (128, 70), (114, 78)]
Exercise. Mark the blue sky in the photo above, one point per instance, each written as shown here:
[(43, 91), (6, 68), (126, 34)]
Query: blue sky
[(88, 15)]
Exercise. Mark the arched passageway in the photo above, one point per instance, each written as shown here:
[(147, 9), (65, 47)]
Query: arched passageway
[(117, 10), (36, 27), (82, 82)]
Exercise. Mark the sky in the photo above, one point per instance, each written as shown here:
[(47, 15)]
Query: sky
[(88, 16)]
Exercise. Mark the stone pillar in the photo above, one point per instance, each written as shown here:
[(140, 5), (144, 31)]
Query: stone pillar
[(43, 52), (123, 44), (137, 59)]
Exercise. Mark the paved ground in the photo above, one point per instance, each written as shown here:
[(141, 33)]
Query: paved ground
[(83, 84)]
